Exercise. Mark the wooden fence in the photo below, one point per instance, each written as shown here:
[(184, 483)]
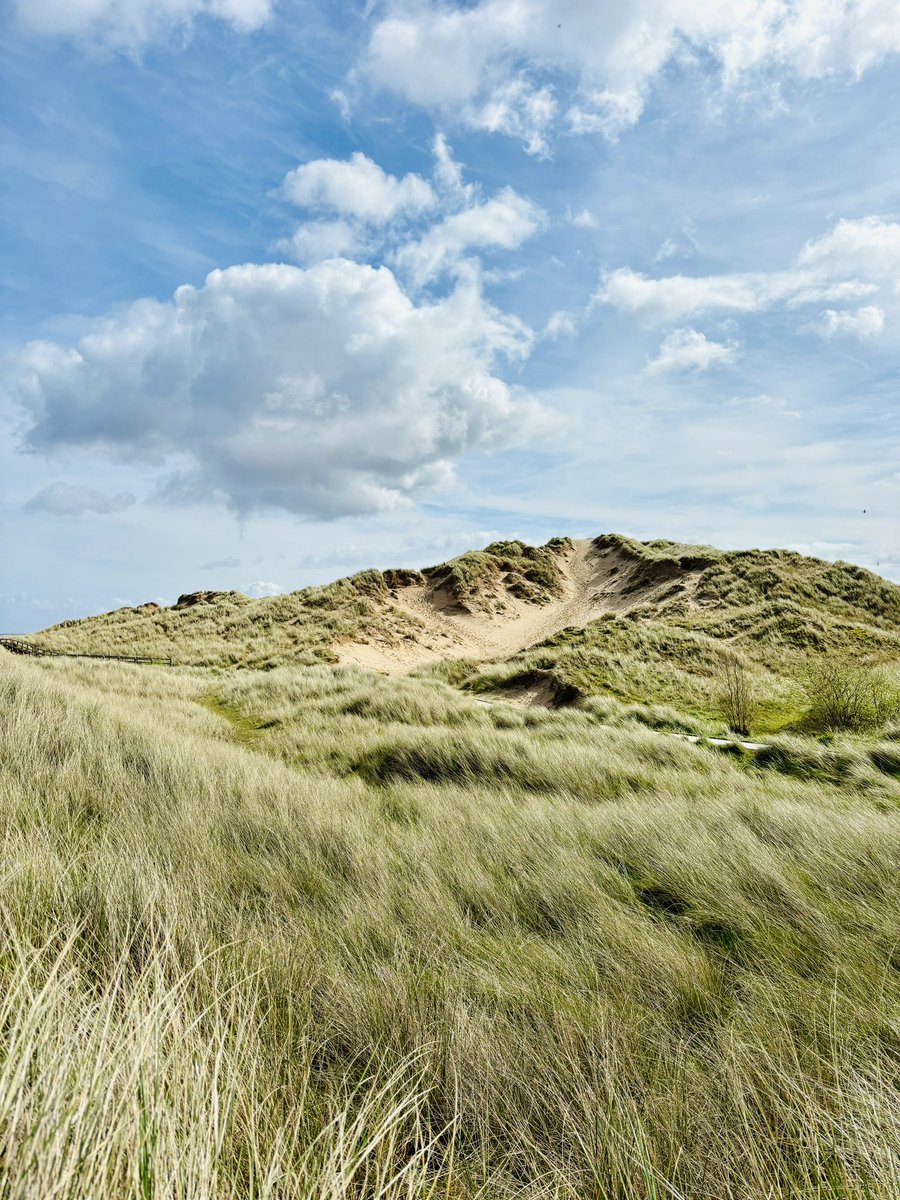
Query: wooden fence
[(17, 646)]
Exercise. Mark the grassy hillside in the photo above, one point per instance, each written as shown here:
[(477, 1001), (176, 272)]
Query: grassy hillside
[(675, 614), (307, 932), (230, 629), (483, 580), (304, 627), (778, 611)]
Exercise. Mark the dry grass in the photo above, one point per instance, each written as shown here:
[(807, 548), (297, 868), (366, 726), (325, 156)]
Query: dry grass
[(234, 631), (309, 933), (307, 626)]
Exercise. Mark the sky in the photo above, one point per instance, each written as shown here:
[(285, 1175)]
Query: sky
[(291, 288)]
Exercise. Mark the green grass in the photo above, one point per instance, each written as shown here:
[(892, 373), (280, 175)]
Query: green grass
[(309, 932), (481, 580), (245, 729)]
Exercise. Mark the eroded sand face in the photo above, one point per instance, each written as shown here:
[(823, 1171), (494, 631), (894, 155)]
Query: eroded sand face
[(595, 582)]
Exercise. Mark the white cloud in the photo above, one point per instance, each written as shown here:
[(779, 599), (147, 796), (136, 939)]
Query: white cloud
[(520, 111), (262, 587), (689, 350), (477, 63), (70, 500), (584, 219), (505, 221), (868, 247), (321, 391), (316, 240), (357, 187), (341, 101), (448, 171), (865, 322), (824, 293), (676, 296), (855, 259), (607, 112), (560, 324), (129, 24)]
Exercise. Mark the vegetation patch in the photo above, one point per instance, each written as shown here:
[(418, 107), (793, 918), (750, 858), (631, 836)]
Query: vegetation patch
[(483, 580), (398, 953), (244, 729)]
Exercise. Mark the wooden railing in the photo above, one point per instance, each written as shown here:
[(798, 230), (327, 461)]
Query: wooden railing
[(18, 646)]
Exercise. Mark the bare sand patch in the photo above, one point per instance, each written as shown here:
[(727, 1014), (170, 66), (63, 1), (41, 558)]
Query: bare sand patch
[(596, 580)]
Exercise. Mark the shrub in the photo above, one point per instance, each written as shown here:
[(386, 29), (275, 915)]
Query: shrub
[(738, 703), (844, 694)]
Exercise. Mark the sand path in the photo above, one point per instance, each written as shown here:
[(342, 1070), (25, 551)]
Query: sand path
[(441, 634)]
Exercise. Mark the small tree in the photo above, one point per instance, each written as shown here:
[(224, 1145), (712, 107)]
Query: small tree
[(846, 694), (738, 703)]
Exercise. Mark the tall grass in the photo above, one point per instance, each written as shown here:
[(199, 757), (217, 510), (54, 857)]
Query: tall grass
[(329, 936)]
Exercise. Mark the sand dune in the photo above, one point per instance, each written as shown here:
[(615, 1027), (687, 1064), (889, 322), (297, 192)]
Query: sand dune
[(596, 580)]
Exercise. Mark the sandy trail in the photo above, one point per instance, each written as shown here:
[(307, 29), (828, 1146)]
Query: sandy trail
[(441, 634)]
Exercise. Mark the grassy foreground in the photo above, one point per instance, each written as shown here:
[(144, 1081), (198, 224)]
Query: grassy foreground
[(308, 933)]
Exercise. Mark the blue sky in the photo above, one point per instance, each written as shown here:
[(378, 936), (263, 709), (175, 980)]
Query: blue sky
[(291, 288)]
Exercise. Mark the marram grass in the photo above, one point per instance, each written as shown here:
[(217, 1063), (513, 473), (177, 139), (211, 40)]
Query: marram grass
[(307, 933)]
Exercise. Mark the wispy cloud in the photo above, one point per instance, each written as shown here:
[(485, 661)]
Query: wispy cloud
[(71, 500), (855, 259), (221, 564), (130, 24)]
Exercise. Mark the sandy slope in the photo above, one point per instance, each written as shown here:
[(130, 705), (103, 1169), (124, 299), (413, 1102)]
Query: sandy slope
[(594, 582)]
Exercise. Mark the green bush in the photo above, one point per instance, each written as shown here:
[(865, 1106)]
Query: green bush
[(844, 694)]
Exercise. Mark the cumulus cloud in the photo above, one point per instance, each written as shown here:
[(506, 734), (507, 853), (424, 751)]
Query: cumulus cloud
[(316, 240), (505, 221), (129, 24), (855, 259), (422, 230), (479, 62), (70, 500), (357, 187), (689, 350), (323, 391)]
